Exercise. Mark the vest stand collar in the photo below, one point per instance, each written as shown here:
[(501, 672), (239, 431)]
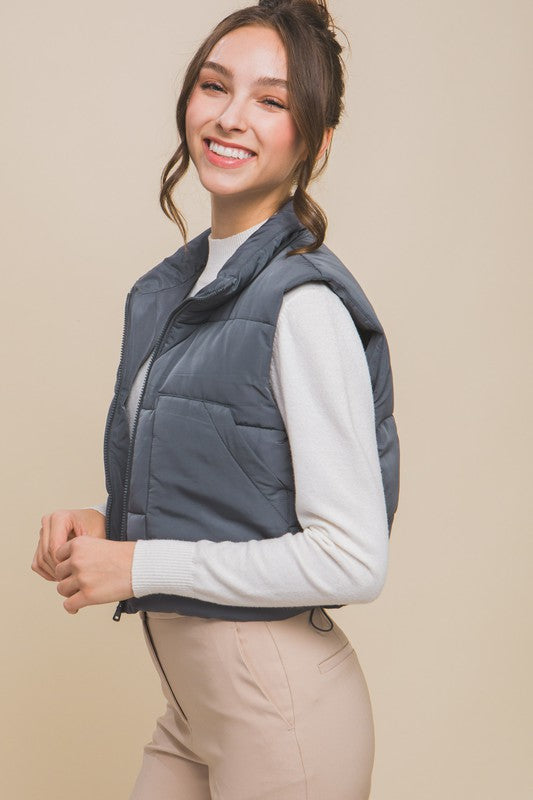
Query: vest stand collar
[(248, 260)]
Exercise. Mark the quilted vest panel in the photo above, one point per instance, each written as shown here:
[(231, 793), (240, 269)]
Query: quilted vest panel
[(209, 456)]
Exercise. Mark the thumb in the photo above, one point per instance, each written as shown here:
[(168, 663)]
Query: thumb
[(61, 552), (77, 529)]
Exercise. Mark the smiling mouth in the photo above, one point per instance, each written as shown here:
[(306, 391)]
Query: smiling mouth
[(234, 147)]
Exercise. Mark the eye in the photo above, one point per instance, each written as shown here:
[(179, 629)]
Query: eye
[(209, 85), (269, 101), (216, 87)]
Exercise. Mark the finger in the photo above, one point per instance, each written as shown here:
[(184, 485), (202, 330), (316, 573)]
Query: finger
[(74, 603), (63, 569), (64, 551), (77, 528), (45, 539), (40, 563), (60, 527), (68, 586), (40, 571)]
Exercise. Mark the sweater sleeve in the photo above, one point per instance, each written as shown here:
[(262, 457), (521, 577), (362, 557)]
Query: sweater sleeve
[(321, 382), (101, 507)]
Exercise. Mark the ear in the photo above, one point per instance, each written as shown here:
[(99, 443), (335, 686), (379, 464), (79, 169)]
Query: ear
[(326, 139)]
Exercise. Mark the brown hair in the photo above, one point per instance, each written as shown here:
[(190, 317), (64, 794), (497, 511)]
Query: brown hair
[(315, 76)]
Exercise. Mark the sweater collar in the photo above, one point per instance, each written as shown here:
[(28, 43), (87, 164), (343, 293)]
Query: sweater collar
[(247, 261), (222, 249)]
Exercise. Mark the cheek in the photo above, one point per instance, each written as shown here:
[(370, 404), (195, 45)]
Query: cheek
[(193, 114), (287, 141)]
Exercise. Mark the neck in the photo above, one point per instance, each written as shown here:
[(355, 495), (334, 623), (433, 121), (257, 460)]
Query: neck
[(232, 215)]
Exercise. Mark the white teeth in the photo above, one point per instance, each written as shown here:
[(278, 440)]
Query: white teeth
[(229, 151)]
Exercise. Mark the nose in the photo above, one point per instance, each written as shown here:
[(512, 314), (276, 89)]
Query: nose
[(233, 117)]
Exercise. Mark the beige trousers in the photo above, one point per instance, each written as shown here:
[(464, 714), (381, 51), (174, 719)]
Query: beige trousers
[(256, 710)]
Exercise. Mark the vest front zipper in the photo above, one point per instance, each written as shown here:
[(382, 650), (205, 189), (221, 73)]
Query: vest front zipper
[(168, 324), (113, 408), (110, 416)]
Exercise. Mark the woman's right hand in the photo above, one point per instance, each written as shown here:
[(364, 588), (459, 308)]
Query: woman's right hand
[(57, 528)]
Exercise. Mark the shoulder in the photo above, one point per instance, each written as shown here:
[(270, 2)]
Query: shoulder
[(315, 309), (312, 295)]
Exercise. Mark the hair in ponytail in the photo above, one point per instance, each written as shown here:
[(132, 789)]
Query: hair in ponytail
[(316, 82)]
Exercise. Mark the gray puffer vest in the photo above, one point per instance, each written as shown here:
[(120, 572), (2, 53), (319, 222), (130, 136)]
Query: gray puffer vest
[(209, 456)]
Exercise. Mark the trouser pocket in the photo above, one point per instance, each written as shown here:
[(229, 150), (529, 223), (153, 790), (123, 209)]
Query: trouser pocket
[(165, 684), (259, 653), (336, 658)]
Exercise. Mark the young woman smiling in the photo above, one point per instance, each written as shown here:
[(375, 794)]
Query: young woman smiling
[(251, 453)]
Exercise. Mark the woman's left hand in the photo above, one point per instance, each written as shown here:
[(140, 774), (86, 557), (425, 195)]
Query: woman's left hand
[(92, 571)]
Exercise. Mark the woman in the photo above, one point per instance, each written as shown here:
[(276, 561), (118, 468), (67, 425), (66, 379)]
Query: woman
[(250, 448)]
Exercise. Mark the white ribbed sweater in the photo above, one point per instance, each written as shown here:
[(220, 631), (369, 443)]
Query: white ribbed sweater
[(321, 383)]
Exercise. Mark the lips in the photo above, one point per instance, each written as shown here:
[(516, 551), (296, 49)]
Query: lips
[(231, 144)]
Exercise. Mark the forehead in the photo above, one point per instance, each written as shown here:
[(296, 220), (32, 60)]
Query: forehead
[(251, 52)]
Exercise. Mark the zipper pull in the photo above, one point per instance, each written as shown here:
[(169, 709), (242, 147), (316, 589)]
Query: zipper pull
[(118, 611)]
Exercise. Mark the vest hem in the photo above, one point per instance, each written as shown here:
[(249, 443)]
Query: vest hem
[(187, 606)]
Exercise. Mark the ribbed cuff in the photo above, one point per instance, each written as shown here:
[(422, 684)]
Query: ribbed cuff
[(162, 566), (101, 508)]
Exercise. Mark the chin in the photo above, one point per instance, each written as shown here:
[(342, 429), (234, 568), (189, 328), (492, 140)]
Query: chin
[(222, 188)]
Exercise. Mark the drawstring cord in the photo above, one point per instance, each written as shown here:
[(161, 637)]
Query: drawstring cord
[(324, 612)]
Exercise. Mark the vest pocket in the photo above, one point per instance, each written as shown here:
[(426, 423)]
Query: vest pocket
[(204, 473), (238, 446)]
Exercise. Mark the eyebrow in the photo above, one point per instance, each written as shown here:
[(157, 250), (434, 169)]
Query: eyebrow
[(227, 73)]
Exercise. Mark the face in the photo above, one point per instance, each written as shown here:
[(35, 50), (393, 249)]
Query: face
[(231, 104)]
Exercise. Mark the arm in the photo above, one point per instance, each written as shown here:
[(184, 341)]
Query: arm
[(321, 383)]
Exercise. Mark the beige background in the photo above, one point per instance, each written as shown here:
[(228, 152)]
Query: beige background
[(429, 199)]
